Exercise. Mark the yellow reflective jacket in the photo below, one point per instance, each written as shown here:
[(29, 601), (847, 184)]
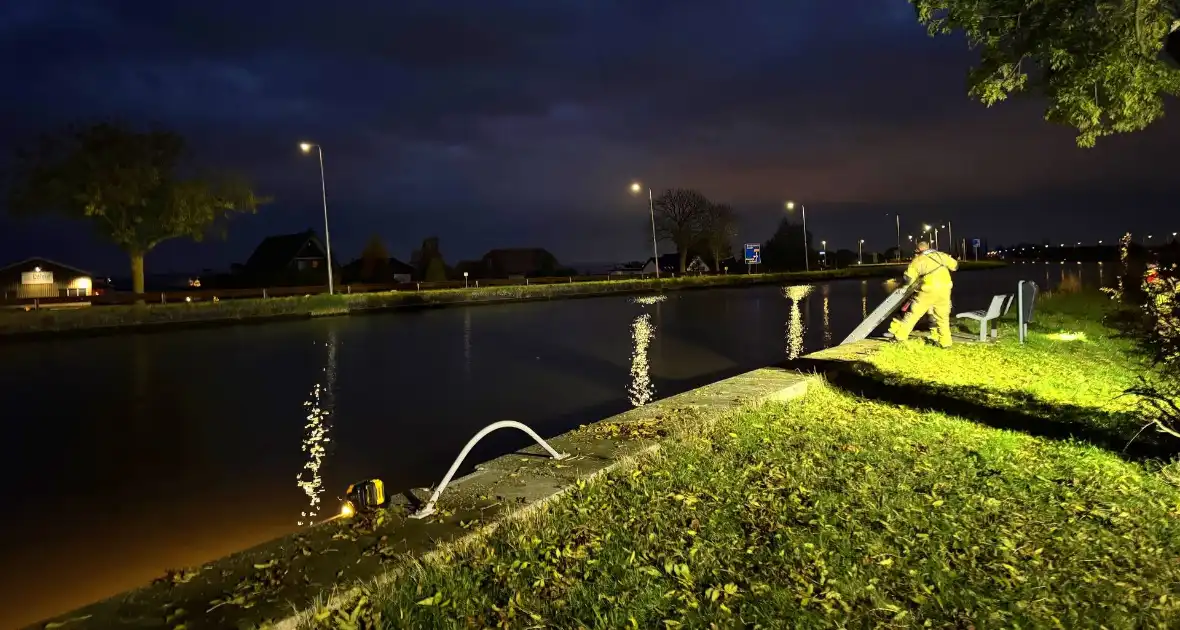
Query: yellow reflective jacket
[(931, 270)]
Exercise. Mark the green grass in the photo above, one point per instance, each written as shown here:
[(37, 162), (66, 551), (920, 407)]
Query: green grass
[(16, 322), (841, 510), (1068, 378)]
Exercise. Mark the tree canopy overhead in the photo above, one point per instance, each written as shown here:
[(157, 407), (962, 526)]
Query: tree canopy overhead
[(1101, 63), (128, 184)]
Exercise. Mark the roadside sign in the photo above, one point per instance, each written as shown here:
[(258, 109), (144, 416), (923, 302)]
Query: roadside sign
[(975, 242), (753, 253)]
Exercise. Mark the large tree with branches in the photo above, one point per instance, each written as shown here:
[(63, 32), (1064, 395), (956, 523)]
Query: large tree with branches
[(718, 231), (1103, 64), (680, 214), (129, 185)]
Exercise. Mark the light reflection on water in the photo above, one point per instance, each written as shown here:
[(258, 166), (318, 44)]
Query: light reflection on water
[(315, 435), (467, 344), (864, 299), (642, 390), (827, 318), (795, 328)]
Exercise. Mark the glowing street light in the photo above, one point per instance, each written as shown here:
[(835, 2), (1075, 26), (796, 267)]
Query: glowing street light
[(790, 205), (860, 251), (306, 147), (636, 188)]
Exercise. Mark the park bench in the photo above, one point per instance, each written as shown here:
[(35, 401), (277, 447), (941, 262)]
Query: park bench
[(994, 311)]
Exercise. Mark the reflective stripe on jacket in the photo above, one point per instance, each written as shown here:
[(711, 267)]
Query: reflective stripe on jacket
[(931, 270)]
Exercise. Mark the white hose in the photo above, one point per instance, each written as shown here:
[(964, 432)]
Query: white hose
[(428, 509)]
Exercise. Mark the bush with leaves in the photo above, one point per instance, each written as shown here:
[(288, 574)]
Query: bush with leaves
[(1158, 336)]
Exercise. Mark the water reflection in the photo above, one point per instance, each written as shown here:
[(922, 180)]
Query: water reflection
[(827, 319), (864, 299), (315, 434), (467, 343), (794, 337), (641, 390)]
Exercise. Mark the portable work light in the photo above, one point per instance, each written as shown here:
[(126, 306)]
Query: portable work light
[(366, 495)]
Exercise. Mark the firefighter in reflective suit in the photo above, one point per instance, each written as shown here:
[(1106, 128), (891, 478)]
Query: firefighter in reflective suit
[(931, 270)]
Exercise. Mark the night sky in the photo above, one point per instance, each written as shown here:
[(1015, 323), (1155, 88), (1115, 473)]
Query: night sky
[(522, 122)]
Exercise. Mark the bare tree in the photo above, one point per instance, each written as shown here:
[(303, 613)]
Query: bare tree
[(718, 230), (680, 214)]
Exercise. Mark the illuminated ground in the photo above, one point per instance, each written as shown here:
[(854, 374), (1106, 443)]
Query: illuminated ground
[(987, 486)]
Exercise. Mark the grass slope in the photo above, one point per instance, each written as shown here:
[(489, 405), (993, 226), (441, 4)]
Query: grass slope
[(847, 510)]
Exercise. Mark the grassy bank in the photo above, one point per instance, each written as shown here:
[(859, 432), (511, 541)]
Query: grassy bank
[(977, 487), (98, 318)]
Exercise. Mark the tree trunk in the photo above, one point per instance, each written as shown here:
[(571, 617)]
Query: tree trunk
[(137, 273), (683, 260)]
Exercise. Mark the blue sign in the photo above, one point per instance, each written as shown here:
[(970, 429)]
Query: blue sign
[(975, 242), (753, 254)]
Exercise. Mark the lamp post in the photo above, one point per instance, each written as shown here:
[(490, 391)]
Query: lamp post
[(306, 147), (860, 252), (897, 222), (806, 246), (651, 205), (950, 235), (824, 244)]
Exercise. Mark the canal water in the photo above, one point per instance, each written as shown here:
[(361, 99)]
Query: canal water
[(129, 455)]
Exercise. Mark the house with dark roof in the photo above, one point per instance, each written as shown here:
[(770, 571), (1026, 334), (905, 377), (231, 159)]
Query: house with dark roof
[(43, 278), (388, 271), (518, 262), (670, 264), (288, 260)]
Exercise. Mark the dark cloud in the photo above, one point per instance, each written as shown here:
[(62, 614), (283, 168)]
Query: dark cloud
[(522, 121)]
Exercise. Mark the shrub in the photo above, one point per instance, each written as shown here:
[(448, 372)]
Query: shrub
[(1155, 327)]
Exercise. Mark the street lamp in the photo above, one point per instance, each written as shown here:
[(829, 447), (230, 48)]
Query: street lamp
[(306, 147), (897, 222), (636, 188), (860, 250), (824, 245), (806, 254)]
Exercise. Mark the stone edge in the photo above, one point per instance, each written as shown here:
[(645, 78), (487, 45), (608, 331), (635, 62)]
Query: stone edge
[(781, 385)]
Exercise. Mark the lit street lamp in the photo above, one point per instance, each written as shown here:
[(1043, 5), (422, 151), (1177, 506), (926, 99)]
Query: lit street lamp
[(824, 245), (651, 205), (806, 246), (306, 147), (860, 252)]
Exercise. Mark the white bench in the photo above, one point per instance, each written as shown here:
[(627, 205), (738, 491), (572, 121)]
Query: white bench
[(999, 305)]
